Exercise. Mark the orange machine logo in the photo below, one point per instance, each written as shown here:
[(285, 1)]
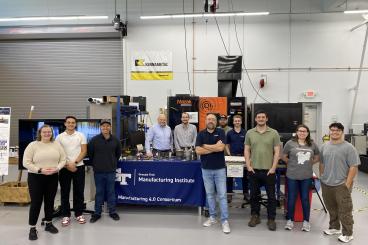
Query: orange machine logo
[(184, 102), (216, 105), (206, 105)]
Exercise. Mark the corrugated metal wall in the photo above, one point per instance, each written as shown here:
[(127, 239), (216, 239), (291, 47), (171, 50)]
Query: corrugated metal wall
[(57, 76)]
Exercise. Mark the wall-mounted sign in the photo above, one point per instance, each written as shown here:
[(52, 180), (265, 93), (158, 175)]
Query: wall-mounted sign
[(5, 113), (151, 65)]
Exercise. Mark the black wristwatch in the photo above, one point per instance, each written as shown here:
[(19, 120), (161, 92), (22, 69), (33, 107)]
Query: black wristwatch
[(39, 171)]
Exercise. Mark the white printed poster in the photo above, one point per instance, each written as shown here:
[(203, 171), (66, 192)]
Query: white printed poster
[(5, 113), (151, 65), (235, 170)]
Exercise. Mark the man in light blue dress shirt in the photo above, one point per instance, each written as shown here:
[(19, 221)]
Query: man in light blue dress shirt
[(160, 136)]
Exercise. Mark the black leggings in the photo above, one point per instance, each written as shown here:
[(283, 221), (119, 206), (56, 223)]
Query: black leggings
[(41, 188)]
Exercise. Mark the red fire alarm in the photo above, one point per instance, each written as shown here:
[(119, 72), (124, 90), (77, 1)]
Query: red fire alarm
[(261, 83), (309, 94)]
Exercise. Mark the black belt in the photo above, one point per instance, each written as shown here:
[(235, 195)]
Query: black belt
[(161, 150)]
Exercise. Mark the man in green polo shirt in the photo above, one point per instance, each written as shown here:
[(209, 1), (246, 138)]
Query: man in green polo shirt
[(261, 152)]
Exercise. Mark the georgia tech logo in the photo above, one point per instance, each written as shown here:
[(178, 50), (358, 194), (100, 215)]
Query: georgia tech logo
[(139, 62), (121, 177)]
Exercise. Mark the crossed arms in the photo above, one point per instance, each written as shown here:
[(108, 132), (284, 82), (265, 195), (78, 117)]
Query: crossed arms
[(208, 149)]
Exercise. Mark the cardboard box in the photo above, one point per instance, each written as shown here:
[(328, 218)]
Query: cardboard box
[(11, 192)]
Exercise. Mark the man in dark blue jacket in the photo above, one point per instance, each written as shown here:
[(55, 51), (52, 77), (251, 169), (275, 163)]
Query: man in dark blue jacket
[(104, 151)]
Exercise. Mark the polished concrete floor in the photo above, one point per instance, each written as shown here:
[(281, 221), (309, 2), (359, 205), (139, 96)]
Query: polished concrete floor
[(161, 225)]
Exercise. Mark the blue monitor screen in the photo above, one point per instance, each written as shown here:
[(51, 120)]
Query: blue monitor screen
[(28, 131), (89, 129)]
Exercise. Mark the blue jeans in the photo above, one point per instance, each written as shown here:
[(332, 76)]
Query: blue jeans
[(105, 187), (302, 187), (215, 181)]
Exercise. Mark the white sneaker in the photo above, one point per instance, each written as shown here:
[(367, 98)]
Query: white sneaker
[(65, 221), (343, 238), (331, 232), (210, 221), (289, 225), (306, 226), (226, 227), (81, 220)]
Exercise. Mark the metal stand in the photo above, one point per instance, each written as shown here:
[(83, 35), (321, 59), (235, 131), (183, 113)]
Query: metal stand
[(319, 197), (247, 202), (281, 169), (204, 211)]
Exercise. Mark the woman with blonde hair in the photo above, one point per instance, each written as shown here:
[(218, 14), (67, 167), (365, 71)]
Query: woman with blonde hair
[(43, 158)]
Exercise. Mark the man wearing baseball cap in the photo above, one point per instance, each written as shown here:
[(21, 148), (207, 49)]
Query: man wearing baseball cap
[(104, 151), (223, 123)]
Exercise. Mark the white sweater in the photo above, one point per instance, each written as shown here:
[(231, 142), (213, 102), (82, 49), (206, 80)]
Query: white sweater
[(43, 155)]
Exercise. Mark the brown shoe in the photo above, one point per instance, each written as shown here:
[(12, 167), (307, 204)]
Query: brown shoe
[(254, 221), (271, 225)]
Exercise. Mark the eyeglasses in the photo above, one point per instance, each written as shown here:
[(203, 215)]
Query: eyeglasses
[(335, 130)]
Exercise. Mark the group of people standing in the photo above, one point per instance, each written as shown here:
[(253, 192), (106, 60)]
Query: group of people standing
[(51, 161), (161, 139), (338, 161)]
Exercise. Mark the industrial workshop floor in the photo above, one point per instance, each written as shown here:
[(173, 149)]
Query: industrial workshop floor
[(147, 225)]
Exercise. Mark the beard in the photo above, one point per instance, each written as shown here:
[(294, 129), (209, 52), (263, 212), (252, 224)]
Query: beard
[(210, 126)]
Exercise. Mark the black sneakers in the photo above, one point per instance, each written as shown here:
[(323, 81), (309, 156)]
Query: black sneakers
[(114, 216), (94, 218), (32, 234), (51, 228)]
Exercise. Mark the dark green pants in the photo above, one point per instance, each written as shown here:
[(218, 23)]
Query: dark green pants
[(340, 207)]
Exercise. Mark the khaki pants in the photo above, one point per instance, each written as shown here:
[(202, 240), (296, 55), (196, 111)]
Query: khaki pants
[(340, 207)]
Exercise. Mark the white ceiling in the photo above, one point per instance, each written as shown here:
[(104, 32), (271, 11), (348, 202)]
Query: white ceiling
[(18, 8)]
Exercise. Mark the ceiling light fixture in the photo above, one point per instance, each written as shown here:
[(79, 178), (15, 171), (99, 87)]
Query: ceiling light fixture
[(202, 15), (45, 18), (364, 11)]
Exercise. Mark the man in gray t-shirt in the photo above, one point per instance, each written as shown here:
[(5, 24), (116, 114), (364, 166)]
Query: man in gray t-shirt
[(338, 168), (337, 159), (299, 165)]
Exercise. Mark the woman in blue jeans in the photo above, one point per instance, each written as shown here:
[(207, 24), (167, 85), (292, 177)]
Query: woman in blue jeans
[(299, 153)]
